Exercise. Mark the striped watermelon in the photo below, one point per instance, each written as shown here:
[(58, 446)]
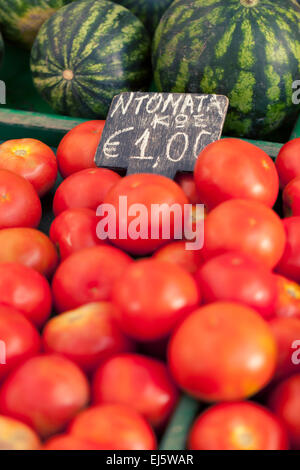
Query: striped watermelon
[(248, 50), (21, 19), (148, 11), (88, 52)]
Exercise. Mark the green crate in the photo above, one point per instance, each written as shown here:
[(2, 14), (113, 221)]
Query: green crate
[(27, 115)]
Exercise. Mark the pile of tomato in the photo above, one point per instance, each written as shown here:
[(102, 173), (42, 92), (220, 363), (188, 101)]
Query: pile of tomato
[(99, 337)]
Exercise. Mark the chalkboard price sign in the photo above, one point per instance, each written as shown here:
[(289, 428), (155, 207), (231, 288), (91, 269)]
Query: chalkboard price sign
[(159, 132)]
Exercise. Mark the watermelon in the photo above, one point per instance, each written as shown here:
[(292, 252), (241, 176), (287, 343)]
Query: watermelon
[(248, 50), (88, 52), (20, 20), (148, 11)]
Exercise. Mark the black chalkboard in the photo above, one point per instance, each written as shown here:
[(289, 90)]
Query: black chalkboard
[(159, 132)]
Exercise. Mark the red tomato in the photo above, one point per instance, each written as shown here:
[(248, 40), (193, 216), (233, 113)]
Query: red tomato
[(68, 442), (233, 168), (114, 427), (46, 392), (222, 352), (288, 298), (77, 149), (137, 381), (19, 203), (152, 297), (289, 264), (284, 402), (87, 188), (26, 290), (291, 198), (88, 276), (86, 335), (73, 230), (286, 331), (29, 247), (17, 436), (19, 340), (237, 426), (245, 226), (33, 160), (288, 162), (235, 277), (145, 190), (176, 252), (187, 183)]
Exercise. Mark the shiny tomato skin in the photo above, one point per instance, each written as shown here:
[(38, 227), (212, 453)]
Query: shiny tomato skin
[(45, 392), (68, 442), (289, 263), (237, 426), (291, 198), (146, 189), (26, 290), (245, 226), (77, 149), (146, 386), (73, 230), (232, 168), (223, 351), (152, 297), (29, 247), (17, 436), (33, 160), (20, 205), (288, 162), (87, 188), (114, 427), (284, 402), (87, 335), (288, 297), (187, 183), (88, 276), (285, 331), (176, 252), (20, 338), (236, 277)]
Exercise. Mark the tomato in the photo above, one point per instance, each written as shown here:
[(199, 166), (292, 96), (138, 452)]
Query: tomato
[(17, 436), (77, 149), (45, 392), (187, 183), (288, 162), (237, 426), (29, 247), (87, 188), (291, 198), (19, 340), (87, 276), (176, 252), (236, 277), (114, 427), (288, 297), (86, 335), (26, 290), (245, 226), (144, 230), (19, 203), (222, 352), (68, 442), (289, 264), (152, 297), (286, 331), (73, 230), (137, 381), (284, 402), (232, 168), (33, 160)]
